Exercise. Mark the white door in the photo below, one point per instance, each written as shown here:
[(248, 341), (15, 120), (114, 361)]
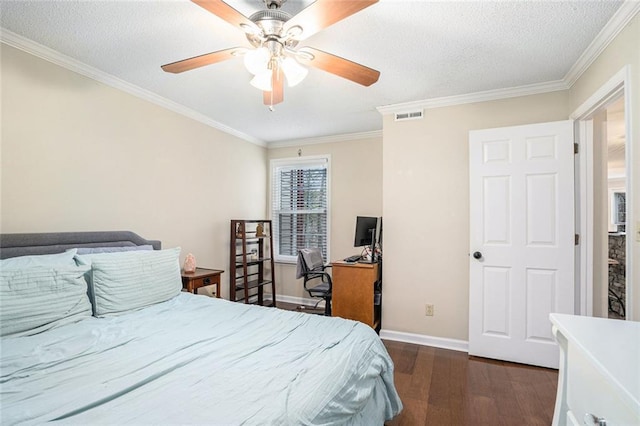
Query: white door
[(522, 240)]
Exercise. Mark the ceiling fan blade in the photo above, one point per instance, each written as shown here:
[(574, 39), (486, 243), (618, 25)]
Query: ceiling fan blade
[(339, 66), (224, 11), (200, 61), (276, 95), (323, 13)]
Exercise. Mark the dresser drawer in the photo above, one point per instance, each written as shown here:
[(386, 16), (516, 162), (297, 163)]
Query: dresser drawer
[(201, 282), (589, 391)]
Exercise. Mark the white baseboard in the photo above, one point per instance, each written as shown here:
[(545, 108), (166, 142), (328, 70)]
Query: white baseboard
[(424, 340), (398, 336), (305, 301)]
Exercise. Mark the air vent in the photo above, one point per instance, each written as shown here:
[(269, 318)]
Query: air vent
[(412, 115)]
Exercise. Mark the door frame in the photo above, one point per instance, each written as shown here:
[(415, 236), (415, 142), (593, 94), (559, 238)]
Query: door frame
[(616, 86)]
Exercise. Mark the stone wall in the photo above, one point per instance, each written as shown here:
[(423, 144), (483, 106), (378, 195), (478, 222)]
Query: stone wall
[(617, 292)]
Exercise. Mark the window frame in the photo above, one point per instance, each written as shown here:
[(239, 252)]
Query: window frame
[(310, 160)]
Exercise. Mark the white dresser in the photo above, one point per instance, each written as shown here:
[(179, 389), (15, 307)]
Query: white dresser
[(599, 381)]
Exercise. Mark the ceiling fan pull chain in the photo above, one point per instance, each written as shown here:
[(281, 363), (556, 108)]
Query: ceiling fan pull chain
[(271, 107)]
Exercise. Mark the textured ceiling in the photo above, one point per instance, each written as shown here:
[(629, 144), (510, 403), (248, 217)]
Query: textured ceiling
[(423, 50)]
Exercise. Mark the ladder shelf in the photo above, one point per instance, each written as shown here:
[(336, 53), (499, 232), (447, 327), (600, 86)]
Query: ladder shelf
[(251, 262)]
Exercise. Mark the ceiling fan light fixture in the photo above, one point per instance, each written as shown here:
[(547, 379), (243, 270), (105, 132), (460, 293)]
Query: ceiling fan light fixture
[(304, 54), (250, 29), (274, 34), (294, 31), (257, 61), (262, 81), (293, 71)]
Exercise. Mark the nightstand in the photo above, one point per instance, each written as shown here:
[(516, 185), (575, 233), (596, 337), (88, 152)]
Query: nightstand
[(192, 281)]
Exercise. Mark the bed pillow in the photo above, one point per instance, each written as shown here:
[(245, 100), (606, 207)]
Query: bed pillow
[(84, 257), (132, 280), (22, 262), (36, 299), (94, 250)]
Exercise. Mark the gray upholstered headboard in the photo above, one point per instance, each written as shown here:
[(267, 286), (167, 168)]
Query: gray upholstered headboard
[(12, 245)]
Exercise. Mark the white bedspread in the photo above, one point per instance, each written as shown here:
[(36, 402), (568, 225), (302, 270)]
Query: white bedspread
[(199, 360)]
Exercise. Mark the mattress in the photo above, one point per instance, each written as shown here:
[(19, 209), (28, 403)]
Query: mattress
[(199, 360)]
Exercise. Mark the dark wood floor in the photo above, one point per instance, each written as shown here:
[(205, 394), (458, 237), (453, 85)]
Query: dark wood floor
[(449, 388), (442, 387)]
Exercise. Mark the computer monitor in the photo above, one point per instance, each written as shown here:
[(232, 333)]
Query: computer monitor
[(365, 231), (368, 231)]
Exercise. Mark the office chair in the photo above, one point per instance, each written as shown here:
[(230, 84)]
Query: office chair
[(311, 267)]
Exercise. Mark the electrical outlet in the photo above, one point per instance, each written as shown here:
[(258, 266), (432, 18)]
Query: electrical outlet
[(428, 311)]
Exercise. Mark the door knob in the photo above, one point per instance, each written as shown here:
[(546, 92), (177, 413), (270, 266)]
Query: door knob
[(477, 255)]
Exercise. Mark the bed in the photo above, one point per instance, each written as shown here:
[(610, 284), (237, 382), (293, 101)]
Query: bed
[(185, 359)]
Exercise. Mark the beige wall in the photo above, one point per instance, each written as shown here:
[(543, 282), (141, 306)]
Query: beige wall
[(623, 50), (356, 182), (426, 209), (81, 156)]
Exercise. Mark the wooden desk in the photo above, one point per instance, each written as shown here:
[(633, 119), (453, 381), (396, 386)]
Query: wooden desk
[(353, 294), (192, 281)]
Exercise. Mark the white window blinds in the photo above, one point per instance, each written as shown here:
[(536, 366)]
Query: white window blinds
[(300, 207)]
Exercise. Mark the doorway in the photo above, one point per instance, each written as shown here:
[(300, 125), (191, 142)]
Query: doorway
[(604, 201), (616, 203)]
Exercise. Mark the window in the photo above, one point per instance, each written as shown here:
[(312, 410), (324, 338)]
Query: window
[(300, 206)]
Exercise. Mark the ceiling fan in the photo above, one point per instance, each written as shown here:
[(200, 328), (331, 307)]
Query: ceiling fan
[(274, 35)]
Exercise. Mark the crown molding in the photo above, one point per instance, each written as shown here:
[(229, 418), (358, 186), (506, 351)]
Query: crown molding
[(325, 139), (469, 98), (625, 13), (19, 42), (614, 26)]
